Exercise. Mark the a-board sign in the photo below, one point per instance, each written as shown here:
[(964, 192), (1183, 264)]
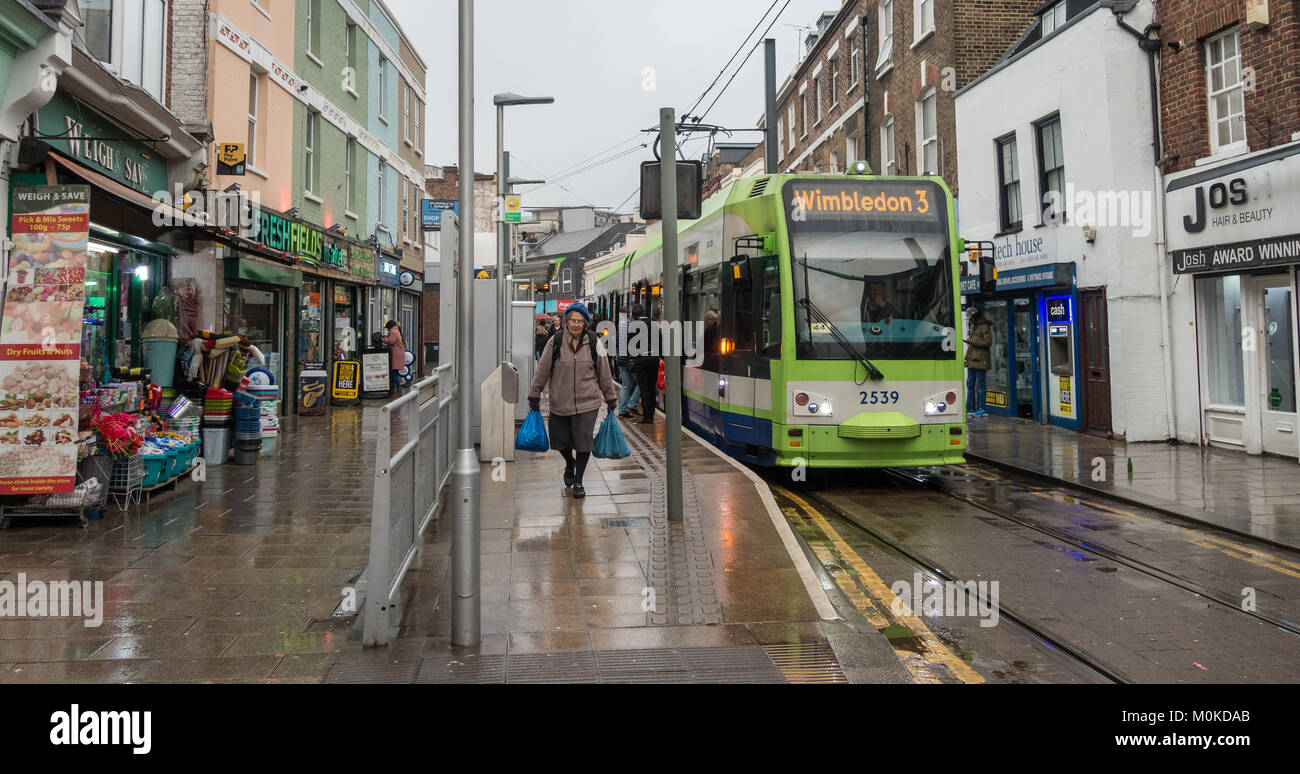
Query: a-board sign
[(375, 379), (345, 386)]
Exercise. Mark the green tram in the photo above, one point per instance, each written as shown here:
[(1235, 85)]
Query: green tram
[(837, 344)]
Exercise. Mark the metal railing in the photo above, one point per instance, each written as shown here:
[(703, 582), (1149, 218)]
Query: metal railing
[(408, 488)]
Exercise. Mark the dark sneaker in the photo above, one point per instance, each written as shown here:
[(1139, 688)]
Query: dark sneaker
[(579, 492)]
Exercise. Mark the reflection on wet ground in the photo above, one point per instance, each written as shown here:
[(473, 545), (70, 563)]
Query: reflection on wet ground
[(1251, 494)]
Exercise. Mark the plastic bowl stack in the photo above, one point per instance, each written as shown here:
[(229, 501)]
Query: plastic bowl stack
[(268, 396), (216, 408), (248, 428)]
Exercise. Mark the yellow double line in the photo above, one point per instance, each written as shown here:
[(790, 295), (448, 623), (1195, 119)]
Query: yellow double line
[(917, 664)]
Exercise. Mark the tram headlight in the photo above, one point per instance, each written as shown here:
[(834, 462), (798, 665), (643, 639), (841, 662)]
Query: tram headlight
[(931, 408)]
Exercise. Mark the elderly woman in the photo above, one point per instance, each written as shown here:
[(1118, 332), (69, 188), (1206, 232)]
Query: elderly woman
[(579, 379)]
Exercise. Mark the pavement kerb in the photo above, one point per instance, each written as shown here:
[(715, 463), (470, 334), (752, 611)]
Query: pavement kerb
[(1154, 504)]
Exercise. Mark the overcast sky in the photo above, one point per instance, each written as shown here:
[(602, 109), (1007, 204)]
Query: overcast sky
[(590, 56)]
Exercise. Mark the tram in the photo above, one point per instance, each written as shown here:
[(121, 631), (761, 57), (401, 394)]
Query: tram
[(836, 297)]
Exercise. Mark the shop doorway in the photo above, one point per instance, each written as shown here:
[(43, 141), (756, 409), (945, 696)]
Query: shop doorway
[(1096, 362), (1013, 386), (1270, 306)]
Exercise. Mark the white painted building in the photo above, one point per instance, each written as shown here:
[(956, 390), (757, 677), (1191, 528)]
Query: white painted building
[(1064, 124)]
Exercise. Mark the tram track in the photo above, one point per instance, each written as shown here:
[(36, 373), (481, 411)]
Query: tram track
[(1036, 630), (1100, 550)]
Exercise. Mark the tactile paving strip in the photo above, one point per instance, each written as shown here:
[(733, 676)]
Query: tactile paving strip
[(681, 566)]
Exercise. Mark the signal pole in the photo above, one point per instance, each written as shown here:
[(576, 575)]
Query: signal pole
[(672, 310)]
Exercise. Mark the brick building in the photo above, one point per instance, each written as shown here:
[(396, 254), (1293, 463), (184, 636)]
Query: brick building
[(878, 78), (1230, 117)]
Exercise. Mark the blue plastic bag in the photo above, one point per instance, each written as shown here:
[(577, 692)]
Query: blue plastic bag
[(610, 444), (532, 434)]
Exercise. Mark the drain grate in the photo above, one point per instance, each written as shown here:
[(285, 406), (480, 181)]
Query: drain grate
[(807, 662), (734, 664), (577, 667), (472, 670), (633, 522), (401, 673)]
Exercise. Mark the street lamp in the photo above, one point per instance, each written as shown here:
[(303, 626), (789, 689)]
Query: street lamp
[(502, 101)]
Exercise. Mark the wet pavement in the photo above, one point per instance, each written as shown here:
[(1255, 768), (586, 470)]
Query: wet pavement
[(604, 589), (1252, 495), (237, 578)]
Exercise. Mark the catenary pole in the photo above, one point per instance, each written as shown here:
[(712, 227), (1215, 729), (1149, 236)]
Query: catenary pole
[(466, 628), (769, 57), (672, 311)]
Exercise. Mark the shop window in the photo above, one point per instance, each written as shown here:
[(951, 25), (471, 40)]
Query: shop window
[(1221, 338), (254, 313), (310, 346), (998, 379)]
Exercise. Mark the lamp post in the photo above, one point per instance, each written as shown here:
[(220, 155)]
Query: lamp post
[(502, 101)]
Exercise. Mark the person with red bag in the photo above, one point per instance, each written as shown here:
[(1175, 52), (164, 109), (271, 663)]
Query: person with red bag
[(663, 376)]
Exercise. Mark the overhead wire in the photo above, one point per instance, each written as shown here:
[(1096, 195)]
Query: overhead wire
[(736, 53)]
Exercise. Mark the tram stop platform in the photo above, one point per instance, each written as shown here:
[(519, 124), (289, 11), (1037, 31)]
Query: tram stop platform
[(1253, 495), (606, 589)]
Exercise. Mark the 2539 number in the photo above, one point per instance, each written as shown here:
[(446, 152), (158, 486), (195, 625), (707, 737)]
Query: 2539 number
[(876, 397)]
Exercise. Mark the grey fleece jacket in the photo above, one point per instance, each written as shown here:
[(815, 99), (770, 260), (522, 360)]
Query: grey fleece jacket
[(577, 385)]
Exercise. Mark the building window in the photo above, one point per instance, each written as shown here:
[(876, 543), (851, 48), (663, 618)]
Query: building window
[(129, 37), (309, 150), (251, 156), (406, 110), (922, 19), (855, 66), (1009, 184), (1226, 93), (835, 77), (887, 146), (1221, 334), (1053, 18), (803, 98), (835, 162), (348, 43), (780, 138), (379, 193), (817, 94), (927, 136), (885, 13), (416, 137), (347, 173), (1051, 170), (313, 26), (406, 205), (850, 150), (791, 124), (383, 92)]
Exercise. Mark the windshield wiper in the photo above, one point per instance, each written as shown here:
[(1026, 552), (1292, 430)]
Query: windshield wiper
[(840, 338)]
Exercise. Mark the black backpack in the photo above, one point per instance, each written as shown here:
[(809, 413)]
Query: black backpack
[(557, 342)]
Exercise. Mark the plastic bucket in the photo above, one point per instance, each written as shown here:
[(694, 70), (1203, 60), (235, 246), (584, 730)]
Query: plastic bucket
[(160, 359), (216, 445), (246, 456), (155, 469)]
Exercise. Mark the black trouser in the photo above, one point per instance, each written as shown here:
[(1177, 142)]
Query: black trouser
[(646, 371)]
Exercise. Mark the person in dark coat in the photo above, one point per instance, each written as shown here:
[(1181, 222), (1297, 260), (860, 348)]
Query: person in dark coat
[(645, 368), (978, 361)]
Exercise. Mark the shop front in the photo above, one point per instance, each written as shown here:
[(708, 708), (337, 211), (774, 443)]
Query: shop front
[(1033, 373), (383, 300), (1232, 227), (256, 301)]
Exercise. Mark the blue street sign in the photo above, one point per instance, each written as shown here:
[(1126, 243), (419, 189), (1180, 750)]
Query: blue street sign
[(431, 211)]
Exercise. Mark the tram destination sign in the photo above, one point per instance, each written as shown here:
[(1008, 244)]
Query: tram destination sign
[(822, 200), (1239, 255)]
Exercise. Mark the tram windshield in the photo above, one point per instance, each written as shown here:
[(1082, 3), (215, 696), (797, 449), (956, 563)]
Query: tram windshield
[(884, 285)]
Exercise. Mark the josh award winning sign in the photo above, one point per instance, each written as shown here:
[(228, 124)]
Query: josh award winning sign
[(40, 340)]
